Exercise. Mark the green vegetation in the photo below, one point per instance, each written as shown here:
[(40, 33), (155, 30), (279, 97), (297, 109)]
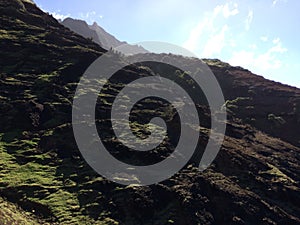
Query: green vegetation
[(39, 183), (11, 214), (216, 62), (42, 172), (234, 104), (276, 174), (276, 120)]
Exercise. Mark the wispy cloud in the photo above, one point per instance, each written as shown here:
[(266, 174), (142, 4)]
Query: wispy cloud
[(90, 16), (227, 12), (215, 43), (261, 62), (264, 38), (195, 35), (249, 19), (216, 35), (277, 48), (275, 2)]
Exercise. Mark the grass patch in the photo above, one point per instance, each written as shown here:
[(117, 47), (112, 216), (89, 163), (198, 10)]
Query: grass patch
[(11, 214), (276, 174), (40, 185)]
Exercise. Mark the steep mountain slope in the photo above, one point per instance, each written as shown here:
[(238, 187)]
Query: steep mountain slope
[(97, 34), (254, 180), (269, 106), (106, 39)]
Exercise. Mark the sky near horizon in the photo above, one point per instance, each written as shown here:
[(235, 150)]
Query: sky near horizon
[(262, 36)]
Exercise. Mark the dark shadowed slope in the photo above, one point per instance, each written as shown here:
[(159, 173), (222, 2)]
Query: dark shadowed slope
[(254, 180)]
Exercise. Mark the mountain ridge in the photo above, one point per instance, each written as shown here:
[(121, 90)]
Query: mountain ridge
[(253, 180), (98, 35)]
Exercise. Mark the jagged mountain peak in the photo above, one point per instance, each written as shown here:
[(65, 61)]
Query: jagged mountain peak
[(95, 24), (82, 28), (98, 34)]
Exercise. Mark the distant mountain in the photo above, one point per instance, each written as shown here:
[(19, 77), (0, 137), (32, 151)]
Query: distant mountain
[(82, 28), (107, 40), (97, 34)]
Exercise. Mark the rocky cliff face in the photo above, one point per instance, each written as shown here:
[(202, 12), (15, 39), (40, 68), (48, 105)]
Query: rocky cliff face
[(44, 179)]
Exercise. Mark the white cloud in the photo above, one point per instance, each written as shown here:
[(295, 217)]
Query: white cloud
[(249, 19), (275, 2), (277, 48), (230, 12), (227, 10), (264, 38), (276, 41), (87, 15), (242, 58), (59, 16), (262, 62), (90, 17), (195, 35), (215, 43)]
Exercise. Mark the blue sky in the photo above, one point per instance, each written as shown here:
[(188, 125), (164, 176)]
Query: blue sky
[(262, 36)]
